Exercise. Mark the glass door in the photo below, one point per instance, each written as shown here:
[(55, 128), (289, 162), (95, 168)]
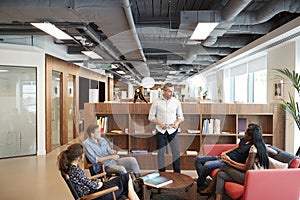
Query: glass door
[(55, 107), (18, 133), (71, 113)]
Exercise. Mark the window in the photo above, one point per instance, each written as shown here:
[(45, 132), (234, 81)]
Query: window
[(260, 86), (240, 88), (249, 81)]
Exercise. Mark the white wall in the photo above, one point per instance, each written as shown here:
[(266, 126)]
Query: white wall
[(19, 55), (283, 56)]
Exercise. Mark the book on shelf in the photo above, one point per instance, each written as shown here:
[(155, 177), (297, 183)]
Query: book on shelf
[(102, 121), (211, 126), (122, 152), (156, 180), (139, 151), (189, 152), (116, 131), (193, 131), (242, 125)]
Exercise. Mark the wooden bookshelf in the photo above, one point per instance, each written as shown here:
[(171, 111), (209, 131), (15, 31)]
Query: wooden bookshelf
[(134, 118)]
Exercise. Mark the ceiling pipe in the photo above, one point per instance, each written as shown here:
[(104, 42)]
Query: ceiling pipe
[(267, 12), (143, 69), (233, 8), (128, 13), (97, 39), (231, 42), (246, 18), (262, 29)]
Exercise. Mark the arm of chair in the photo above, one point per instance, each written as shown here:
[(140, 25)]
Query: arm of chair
[(101, 193), (95, 164), (216, 149), (101, 175), (272, 184)]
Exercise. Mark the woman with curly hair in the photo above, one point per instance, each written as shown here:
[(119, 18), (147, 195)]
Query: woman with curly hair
[(68, 162)]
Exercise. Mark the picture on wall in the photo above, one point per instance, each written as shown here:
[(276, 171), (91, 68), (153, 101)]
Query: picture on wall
[(278, 89)]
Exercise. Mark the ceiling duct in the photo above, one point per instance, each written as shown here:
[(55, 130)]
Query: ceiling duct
[(268, 11), (233, 8)]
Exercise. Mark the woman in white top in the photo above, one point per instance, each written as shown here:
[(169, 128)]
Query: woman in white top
[(235, 172)]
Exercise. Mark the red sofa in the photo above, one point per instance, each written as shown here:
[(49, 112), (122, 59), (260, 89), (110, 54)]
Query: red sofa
[(275, 184)]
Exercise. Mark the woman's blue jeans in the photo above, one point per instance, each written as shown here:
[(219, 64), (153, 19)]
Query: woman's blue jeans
[(204, 165)]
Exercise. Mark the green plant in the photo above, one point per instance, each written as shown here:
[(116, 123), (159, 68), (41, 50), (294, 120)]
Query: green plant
[(200, 88), (292, 76), (292, 106), (205, 93)]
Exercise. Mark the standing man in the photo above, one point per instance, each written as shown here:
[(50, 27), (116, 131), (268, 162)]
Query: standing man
[(97, 150), (166, 113)]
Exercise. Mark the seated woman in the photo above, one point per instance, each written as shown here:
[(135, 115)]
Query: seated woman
[(235, 172), (68, 162)]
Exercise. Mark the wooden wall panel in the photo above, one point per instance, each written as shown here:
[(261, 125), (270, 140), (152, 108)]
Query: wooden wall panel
[(55, 64)]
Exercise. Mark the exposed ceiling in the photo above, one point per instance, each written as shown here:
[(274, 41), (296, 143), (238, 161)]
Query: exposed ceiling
[(150, 37)]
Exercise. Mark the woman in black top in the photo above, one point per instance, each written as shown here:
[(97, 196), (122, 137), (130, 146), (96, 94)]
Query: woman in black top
[(236, 172), (68, 162)]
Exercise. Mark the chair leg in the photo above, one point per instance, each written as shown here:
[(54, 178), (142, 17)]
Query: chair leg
[(114, 196)]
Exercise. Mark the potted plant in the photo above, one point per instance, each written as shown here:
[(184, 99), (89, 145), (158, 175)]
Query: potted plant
[(204, 94), (292, 106)]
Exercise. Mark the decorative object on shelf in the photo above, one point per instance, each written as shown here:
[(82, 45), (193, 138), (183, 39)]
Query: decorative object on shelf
[(292, 106), (220, 95), (138, 94), (204, 94)]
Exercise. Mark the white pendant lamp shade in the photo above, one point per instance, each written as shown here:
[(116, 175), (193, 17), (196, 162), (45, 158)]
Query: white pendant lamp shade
[(148, 82)]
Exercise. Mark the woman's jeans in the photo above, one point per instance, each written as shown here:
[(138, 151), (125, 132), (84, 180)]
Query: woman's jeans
[(204, 165)]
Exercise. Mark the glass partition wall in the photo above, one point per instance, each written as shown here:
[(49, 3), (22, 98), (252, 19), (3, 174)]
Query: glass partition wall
[(71, 108), (18, 103), (55, 107)]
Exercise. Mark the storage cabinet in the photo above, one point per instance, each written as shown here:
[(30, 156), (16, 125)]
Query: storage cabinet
[(137, 131)]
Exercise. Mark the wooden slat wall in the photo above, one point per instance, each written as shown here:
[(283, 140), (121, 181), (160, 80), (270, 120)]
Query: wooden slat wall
[(55, 64)]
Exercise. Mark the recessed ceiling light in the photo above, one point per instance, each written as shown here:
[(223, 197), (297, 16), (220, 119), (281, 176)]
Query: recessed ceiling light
[(92, 54), (113, 66), (3, 70), (52, 30), (203, 30), (120, 72)]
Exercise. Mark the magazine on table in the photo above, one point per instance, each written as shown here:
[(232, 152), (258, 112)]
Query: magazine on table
[(155, 180)]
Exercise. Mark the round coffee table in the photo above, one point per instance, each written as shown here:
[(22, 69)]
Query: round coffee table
[(180, 182)]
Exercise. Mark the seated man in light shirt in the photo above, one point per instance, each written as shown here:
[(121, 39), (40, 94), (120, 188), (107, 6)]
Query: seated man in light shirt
[(97, 150)]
